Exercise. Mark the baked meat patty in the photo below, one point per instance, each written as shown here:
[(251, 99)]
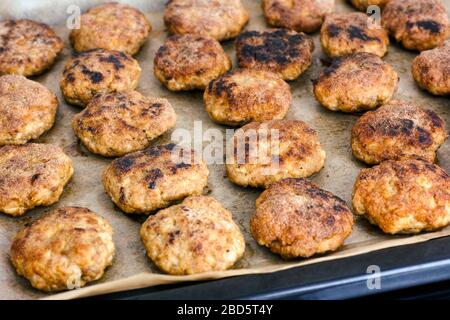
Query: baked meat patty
[(247, 95), (195, 236), (98, 71), (154, 178), (27, 47), (295, 218), (187, 62), (398, 130), (357, 82), (281, 51), (431, 69), (32, 175), (27, 109), (266, 152), (299, 15), (406, 196), (220, 19), (65, 249), (111, 26), (416, 24), (114, 124), (346, 33)]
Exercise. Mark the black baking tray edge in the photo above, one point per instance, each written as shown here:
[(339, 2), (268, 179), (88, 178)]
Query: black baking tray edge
[(401, 267)]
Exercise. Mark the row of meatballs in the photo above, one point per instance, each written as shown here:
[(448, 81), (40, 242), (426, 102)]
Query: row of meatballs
[(178, 238)]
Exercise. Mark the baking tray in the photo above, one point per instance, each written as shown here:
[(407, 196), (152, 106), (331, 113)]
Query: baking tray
[(131, 268), (405, 270)]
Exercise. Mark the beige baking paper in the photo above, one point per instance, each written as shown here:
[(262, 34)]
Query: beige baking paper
[(131, 268)]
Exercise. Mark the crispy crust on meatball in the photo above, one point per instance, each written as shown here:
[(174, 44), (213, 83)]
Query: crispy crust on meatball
[(247, 95), (198, 235), (32, 175), (27, 47), (266, 152), (398, 130), (295, 218), (431, 69), (117, 123), (27, 109), (281, 51), (357, 82), (299, 15), (98, 71), (152, 179), (346, 33), (187, 62), (63, 250), (220, 19), (362, 5), (111, 26), (407, 196), (417, 24)]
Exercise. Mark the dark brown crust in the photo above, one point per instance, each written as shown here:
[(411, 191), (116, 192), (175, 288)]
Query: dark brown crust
[(111, 26), (431, 69), (293, 145), (405, 196), (114, 124), (417, 24), (346, 33), (357, 82), (295, 218), (246, 95), (98, 71), (144, 181), (398, 130), (27, 47), (281, 51), (69, 246), (299, 15), (188, 62)]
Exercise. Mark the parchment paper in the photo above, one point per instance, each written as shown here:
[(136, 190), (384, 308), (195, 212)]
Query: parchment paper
[(131, 268)]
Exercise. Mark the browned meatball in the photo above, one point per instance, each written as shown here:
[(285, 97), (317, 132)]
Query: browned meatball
[(417, 24), (281, 51)]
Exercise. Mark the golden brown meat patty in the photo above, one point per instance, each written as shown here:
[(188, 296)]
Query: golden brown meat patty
[(247, 95), (111, 26), (195, 236), (220, 19), (27, 47), (63, 250), (364, 4), (358, 82), (295, 218), (187, 62), (398, 130), (98, 71), (299, 15), (27, 109), (281, 51), (152, 179), (32, 175), (417, 24), (347, 33), (406, 196), (431, 69), (117, 123), (266, 152)]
